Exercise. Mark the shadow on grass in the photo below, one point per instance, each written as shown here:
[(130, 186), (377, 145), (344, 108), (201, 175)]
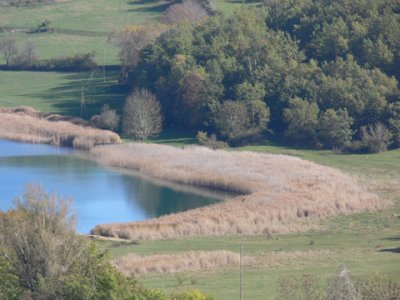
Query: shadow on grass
[(93, 88), (154, 6), (392, 238), (392, 250)]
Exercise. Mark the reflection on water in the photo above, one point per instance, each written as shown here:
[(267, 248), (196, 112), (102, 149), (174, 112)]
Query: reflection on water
[(100, 195)]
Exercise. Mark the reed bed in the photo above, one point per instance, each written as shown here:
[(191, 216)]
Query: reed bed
[(193, 261), (25, 124), (278, 193)]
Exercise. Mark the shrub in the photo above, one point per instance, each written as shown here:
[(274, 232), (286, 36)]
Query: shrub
[(108, 119), (210, 142), (192, 295), (41, 256), (375, 138), (379, 287), (304, 287)]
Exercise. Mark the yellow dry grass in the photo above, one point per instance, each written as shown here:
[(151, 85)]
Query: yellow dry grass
[(133, 264), (279, 193), (25, 124), (199, 261)]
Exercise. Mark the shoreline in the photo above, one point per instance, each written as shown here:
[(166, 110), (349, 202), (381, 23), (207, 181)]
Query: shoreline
[(279, 194), (268, 193)]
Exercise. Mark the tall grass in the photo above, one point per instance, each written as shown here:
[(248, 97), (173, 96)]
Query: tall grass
[(25, 124), (278, 193), (133, 264)]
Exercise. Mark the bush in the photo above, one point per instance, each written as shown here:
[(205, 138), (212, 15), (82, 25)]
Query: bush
[(375, 138), (108, 119), (77, 62), (191, 295), (41, 256), (379, 287), (304, 287), (210, 142)]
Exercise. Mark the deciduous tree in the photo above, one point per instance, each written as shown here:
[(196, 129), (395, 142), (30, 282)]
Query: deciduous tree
[(142, 115)]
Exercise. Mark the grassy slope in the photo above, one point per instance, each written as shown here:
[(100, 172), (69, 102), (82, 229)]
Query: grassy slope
[(60, 92), (365, 243)]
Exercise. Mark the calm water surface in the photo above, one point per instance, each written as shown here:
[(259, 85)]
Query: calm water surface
[(99, 195)]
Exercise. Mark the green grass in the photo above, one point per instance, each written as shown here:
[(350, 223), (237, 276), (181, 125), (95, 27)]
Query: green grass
[(61, 92)]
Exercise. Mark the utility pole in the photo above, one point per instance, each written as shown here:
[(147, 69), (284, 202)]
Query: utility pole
[(83, 105), (241, 274), (104, 66)]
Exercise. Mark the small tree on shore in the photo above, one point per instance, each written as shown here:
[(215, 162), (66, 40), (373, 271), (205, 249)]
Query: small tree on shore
[(142, 115)]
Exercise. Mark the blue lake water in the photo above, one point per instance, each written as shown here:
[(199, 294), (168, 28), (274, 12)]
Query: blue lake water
[(99, 195)]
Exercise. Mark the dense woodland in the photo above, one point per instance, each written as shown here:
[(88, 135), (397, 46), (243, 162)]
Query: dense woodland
[(317, 73)]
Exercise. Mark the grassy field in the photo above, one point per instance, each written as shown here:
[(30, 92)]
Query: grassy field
[(81, 26), (61, 92), (367, 244)]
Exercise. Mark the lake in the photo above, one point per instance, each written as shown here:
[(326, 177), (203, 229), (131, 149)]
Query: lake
[(100, 195)]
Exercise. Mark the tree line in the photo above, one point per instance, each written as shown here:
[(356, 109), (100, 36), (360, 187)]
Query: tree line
[(317, 73)]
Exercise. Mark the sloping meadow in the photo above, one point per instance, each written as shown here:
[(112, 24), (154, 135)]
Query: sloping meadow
[(275, 193)]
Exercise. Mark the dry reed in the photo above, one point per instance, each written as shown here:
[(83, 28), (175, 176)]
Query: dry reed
[(193, 261), (24, 124), (280, 193)]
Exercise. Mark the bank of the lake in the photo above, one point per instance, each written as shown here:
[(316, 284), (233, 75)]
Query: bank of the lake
[(279, 193), (100, 195)]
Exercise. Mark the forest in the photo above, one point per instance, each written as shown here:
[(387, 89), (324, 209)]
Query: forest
[(314, 73)]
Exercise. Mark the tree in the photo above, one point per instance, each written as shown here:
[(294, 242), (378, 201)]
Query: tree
[(302, 118), (231, 119), (142, 115), (42, 257), (9, 48), (253, 97), (341, 286), (375, 138), (132, 40), (334, 128), (190, 11)]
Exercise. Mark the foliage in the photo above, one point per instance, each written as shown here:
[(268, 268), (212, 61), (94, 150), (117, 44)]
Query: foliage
[(191, 295), (108, 119), (340, 286), (302, 119), (305, 287), (210, 141), (375, 138), (8, 48), (341, 67), (190, 11), (142, 115), (41, 256), (28, 60), (334, 128)]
